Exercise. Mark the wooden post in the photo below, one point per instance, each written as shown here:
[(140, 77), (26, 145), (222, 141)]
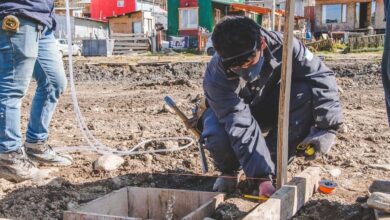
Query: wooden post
[(284, 96), (287, 201)]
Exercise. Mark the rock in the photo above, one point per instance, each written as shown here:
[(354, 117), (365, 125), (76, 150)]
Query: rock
[(170, 144), (335, 172), (148, 160), (385, 167), (108, 162), (380, 201), (380, 186), (72, 205), (343, 129)]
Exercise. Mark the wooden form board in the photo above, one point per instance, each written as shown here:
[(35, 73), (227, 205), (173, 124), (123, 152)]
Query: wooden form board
[(135, 203), (284, 95), (286, 202)]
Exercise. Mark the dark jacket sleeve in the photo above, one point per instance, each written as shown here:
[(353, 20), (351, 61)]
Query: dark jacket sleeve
[(326, 101), (243, 131)]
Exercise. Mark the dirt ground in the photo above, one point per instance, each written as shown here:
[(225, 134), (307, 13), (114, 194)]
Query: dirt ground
[(123, 105)]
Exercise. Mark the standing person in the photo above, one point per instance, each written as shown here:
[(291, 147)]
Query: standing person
[(28, 50), (241, 86)]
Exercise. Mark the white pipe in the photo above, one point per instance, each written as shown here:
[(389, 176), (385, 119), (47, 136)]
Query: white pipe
[(94, 144)]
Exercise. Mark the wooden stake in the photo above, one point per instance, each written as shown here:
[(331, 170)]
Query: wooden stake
[(284, 96)]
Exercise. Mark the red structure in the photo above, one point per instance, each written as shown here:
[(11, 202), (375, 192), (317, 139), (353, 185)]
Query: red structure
[(101, 9)]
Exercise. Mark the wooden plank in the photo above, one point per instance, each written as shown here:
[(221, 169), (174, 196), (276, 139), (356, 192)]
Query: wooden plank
[(128, 35), (286, 202), (104, 205), (130, 44), (150, 203), (129, 38), (205, 210), (284, 96), (69, 215), (129, 48)]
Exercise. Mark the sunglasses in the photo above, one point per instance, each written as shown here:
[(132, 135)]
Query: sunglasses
[(230, 63)]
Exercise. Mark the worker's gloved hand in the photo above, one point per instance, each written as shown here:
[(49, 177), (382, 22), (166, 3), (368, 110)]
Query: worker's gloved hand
[(266, 188), (321, 140)]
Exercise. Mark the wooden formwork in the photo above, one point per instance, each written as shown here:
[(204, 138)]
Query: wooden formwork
[(134, 203)]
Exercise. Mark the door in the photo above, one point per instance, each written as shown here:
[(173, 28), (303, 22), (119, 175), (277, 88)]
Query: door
[(137, 27), (363, 15)]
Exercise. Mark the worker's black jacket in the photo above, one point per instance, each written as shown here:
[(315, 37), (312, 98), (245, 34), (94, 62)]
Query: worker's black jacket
[(39, 10), (231, 98)]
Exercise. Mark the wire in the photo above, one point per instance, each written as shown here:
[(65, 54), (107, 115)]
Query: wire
[(94, 145)]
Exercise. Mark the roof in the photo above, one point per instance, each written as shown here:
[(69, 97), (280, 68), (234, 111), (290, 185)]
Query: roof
[(226, 2), (322, 2), (91, 19), (259, 10), (256, 9), (70, 8), (124, 14)]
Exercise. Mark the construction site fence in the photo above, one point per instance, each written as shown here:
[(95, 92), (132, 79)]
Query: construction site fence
[(368, 41)]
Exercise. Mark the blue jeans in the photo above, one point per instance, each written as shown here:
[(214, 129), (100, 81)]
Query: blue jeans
[(23, 56), (227, 159), (386, 61)]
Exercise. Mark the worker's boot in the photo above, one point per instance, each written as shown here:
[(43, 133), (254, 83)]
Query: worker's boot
[(43, 153), (17, 167), (226, 182)]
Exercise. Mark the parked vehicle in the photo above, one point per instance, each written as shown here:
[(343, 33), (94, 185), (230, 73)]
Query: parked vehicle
[(63, 47), (209, 47)]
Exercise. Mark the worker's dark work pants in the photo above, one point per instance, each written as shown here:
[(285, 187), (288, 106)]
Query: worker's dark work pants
[(217, 142), (386, 61)]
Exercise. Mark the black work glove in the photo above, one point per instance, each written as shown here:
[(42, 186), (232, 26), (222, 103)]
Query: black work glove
[(321, 140)]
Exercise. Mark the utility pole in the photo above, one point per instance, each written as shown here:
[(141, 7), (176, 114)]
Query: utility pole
[(273, 15)]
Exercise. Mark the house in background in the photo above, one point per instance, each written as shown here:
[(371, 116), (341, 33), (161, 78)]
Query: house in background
[(82, 28), (102, 9), (74, 11), (378, 18), (138, 22), (185, 17), (348, 15)]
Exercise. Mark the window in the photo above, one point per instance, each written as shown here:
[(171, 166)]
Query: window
[(120, 3), (188, 18), (217, 15), (334, 13)]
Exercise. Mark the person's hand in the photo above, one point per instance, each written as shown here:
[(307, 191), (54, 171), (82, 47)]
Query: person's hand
[(266, 188), (321, 140)]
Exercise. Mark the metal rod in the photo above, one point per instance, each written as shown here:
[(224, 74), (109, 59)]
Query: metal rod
[(284, 96)]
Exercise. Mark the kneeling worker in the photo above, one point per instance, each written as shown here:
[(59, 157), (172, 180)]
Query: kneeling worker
[(241, 86)]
